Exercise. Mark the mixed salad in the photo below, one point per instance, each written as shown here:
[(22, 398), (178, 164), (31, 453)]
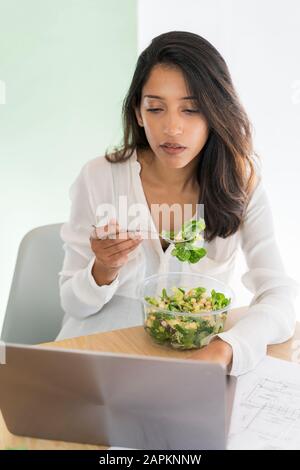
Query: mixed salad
[(185, 242), (183, 331)]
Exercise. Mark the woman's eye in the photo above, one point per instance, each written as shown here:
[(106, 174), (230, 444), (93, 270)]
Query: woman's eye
[(154, 110)]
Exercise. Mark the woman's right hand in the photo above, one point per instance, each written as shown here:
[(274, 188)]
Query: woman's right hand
[(111, 253)]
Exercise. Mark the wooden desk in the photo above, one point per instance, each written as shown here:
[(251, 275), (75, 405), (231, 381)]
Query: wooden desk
[(131, 341)]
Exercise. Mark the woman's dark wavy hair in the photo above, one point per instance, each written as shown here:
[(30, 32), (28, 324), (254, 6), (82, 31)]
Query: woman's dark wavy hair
[(226, 170)]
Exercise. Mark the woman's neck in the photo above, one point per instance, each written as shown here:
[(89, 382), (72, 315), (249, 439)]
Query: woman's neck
[(180, 179)]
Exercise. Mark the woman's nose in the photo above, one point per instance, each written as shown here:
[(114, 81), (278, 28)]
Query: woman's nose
[(172, 125)]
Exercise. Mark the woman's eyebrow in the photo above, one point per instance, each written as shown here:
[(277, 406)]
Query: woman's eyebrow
[(161, 98)]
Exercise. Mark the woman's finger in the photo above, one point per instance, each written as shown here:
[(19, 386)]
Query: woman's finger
[(110, 229), (122, 248), (122, 252), (113, 242)]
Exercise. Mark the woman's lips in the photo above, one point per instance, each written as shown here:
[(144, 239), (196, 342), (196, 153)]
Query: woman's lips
[(173, 150)]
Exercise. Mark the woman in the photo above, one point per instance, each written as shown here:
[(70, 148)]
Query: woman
[(181, 95)]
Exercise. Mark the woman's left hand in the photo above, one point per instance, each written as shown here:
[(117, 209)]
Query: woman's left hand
[(216, 351)]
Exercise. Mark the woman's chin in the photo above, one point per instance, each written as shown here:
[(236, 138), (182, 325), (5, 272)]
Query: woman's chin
[(175, 163)]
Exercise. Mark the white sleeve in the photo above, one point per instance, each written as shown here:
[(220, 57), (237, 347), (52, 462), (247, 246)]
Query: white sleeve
[(271, 314), (80, 295)]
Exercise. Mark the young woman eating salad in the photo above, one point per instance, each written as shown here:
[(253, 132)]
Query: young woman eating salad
[(187, 141)]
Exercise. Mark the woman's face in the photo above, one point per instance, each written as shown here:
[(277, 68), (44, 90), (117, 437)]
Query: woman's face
[(170, 117)]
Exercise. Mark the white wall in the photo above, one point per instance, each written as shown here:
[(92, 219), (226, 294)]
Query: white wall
[(260, 42)]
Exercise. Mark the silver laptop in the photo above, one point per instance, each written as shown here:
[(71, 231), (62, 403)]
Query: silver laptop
[(110, 399)]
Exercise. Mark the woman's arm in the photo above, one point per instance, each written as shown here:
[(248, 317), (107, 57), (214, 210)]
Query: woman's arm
[(80, 293), (271, 315)]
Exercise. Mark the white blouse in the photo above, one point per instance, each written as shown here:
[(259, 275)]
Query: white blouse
[(90, 308)]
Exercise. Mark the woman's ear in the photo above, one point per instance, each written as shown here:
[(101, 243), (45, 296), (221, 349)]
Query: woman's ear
[(138, 117)]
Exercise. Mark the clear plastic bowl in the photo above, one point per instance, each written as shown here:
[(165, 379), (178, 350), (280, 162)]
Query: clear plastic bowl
[(183, 329)]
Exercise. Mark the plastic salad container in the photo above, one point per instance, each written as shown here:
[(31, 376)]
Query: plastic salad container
[(184, 310)]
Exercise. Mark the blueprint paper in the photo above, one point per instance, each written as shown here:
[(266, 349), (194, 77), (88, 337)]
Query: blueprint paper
[(266, 411)]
